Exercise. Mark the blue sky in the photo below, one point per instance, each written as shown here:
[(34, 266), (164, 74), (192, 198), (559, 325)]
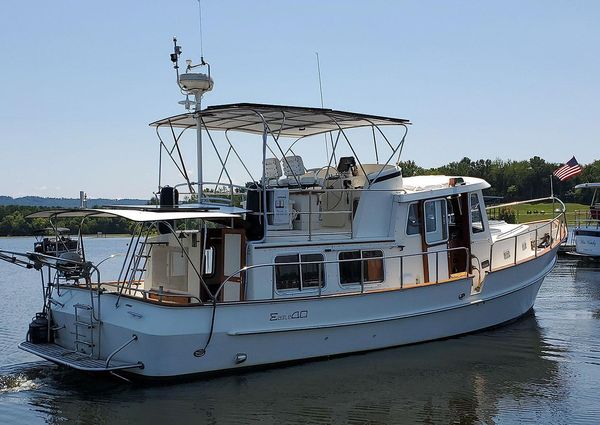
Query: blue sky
[(81, 80)]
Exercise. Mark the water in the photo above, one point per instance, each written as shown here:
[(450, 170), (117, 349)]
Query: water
[(544, 368)]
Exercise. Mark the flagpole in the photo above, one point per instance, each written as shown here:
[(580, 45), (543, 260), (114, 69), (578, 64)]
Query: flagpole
[(552, 192)]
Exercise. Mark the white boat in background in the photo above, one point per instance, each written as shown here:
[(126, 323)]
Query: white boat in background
[(586, 233), (302, 261)]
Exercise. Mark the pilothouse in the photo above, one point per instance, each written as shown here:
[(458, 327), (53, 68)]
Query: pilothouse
[(299, 238)]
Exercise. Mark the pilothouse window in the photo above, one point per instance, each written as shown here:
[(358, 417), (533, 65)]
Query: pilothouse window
[(367, 270), (413, 224), (306, 272), (476, 221)]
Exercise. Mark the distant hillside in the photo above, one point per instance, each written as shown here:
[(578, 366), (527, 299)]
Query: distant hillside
[(38, 201)]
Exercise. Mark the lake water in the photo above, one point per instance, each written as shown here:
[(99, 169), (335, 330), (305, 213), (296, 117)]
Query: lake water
[(544, 368)]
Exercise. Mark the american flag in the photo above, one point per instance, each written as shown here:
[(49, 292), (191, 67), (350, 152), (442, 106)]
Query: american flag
[(568, 170)]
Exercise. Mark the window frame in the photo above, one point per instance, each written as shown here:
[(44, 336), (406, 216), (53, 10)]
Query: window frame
[(301, 288), (418, 224), (361, 260), (444, 219), (473, 230)]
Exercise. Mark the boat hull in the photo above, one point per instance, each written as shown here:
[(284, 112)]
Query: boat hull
[(587, 241), (174, 341)]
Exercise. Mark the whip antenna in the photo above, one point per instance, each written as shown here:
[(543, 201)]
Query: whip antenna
[(200, 27), (321, 92)]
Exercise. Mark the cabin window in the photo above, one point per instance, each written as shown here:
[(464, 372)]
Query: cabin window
[(368, 267), (476, 221), (413, 222), (306, 272), (436, 221)]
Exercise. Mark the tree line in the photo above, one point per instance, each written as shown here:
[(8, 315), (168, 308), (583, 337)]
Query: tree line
[(515, 180), (13, 222), (510, 181)]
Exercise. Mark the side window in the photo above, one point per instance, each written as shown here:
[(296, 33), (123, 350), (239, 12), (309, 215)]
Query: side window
[(287, 276), (436, 221), (413, 222), (476, 221), (307, 272), (367, 267), (312, 273), (350, 271)]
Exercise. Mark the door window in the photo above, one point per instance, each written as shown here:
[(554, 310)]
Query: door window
[(436, 221)]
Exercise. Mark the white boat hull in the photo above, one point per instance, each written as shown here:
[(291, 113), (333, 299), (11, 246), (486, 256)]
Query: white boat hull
[(587, 241), (170, 339)]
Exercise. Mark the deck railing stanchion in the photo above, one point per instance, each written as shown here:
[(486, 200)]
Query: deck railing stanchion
[(516, 238), (309, 215), (437, 267), (273, 275), (362, 273), (401, 272), (321, 280)]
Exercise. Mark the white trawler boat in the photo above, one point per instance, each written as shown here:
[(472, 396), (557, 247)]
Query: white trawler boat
[(586, 233), (300, 263)]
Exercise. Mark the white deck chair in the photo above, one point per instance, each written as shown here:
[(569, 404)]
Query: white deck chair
[(295, 173), (272, 171)]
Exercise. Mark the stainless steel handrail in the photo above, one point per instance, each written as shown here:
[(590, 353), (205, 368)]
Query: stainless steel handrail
[(560, 227), (338, 261), (529, 201)]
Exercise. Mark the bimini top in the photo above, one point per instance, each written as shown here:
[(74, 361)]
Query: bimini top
[(145, 215), (287, 121)]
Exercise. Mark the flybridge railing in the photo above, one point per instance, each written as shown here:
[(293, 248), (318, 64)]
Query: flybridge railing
[(217, 193), (340, 221), (586, 218)]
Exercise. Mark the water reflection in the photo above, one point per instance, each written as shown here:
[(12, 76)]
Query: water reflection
[(471, 379)]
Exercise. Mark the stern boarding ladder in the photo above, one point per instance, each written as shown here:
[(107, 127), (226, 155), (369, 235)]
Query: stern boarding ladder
[(85, 353)]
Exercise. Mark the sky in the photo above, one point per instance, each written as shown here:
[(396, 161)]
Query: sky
[(81, 80)]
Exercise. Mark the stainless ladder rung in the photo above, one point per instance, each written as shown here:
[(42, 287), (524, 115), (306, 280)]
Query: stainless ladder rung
[(87, 325), (79, 341), (83, 306)]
